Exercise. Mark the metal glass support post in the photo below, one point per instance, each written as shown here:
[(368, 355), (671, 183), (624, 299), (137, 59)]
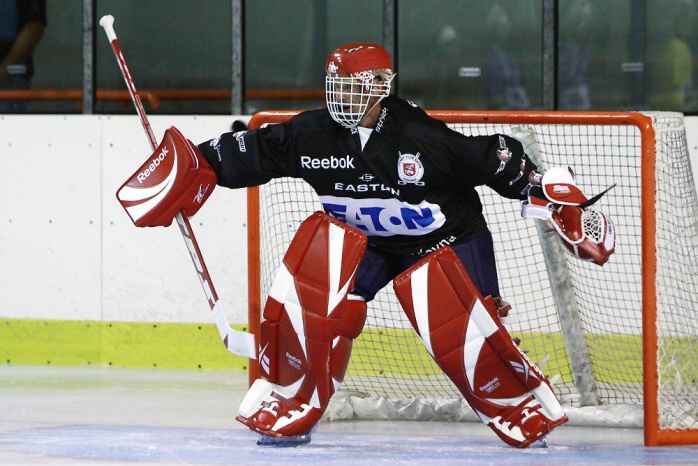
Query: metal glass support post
[(88, 56), (237, 99), (550, 40), (390, 33)]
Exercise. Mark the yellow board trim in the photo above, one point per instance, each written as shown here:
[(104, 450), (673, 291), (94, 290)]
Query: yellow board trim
[(377, 352), (119, 344)]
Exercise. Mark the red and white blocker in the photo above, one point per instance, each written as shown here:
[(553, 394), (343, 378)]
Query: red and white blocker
[(462, 332), (306, 335)]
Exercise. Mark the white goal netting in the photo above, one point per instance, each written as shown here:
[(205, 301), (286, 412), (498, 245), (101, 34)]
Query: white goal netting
[(582, 323)]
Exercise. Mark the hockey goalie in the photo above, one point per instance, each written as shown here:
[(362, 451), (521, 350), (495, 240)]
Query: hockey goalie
[(397, 190)]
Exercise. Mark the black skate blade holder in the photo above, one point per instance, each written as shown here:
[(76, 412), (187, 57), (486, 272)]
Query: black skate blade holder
[(283, 442)]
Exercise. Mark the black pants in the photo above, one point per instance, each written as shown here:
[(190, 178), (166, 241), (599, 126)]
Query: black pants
[(476, 253)]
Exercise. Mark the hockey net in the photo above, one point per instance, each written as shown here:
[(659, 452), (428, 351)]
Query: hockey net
[(585, 325)]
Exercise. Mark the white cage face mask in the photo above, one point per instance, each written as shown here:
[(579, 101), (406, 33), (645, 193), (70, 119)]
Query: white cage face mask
[(348, 97)]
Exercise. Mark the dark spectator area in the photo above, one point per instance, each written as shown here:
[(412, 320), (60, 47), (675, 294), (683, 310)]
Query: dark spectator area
[(190, 57)]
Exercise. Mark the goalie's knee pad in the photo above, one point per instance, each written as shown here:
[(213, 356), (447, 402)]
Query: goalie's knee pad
[(463, 333), (309, 322)]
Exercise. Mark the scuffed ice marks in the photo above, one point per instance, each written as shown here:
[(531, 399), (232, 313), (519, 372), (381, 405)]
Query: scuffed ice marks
[(339, 444)]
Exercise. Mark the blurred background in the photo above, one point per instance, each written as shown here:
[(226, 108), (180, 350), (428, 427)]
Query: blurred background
[(237, 56)]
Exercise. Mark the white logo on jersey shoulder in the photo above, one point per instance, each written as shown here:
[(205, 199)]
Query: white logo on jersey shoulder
[(504, 155), (216, 144), (381, 120), (410, 169), (240, 138), (385, 217)]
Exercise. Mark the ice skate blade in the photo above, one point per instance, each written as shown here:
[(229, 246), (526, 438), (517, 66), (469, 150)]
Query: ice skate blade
[(540, 443), (283, 442)]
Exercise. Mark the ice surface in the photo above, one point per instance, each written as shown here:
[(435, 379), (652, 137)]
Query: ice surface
[(103, 416)]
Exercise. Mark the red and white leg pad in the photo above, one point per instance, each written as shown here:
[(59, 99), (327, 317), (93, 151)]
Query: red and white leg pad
[(463, 333), (306, 335)]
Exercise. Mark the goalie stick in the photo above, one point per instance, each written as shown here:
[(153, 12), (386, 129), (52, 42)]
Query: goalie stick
[(240, 343)]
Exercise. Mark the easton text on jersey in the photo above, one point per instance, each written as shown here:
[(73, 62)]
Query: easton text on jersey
[(385, 217), (366, 188)]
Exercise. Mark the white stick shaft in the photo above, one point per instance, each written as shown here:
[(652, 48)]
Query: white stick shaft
[(107, 23), (230, 338)]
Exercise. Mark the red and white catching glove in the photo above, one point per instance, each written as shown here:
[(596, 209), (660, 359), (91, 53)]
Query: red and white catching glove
[(175, 178), (587, 233)]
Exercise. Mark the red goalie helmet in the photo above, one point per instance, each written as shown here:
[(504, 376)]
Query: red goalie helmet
[(357, 57), (358, 74)]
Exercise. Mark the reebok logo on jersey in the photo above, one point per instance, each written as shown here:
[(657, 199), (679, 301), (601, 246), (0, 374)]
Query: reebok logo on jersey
[(326, 163)]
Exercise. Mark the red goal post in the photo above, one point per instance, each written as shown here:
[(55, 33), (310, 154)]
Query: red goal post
[(640, 126)]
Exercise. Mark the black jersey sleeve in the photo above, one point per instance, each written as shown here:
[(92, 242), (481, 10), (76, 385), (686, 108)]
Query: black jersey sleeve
[(497, 160), (252, 158)]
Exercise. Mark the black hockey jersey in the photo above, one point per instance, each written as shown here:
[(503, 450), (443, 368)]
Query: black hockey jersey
[(411, 188)]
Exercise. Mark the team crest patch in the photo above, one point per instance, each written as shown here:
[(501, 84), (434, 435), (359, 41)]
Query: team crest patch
[(410, 169)]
